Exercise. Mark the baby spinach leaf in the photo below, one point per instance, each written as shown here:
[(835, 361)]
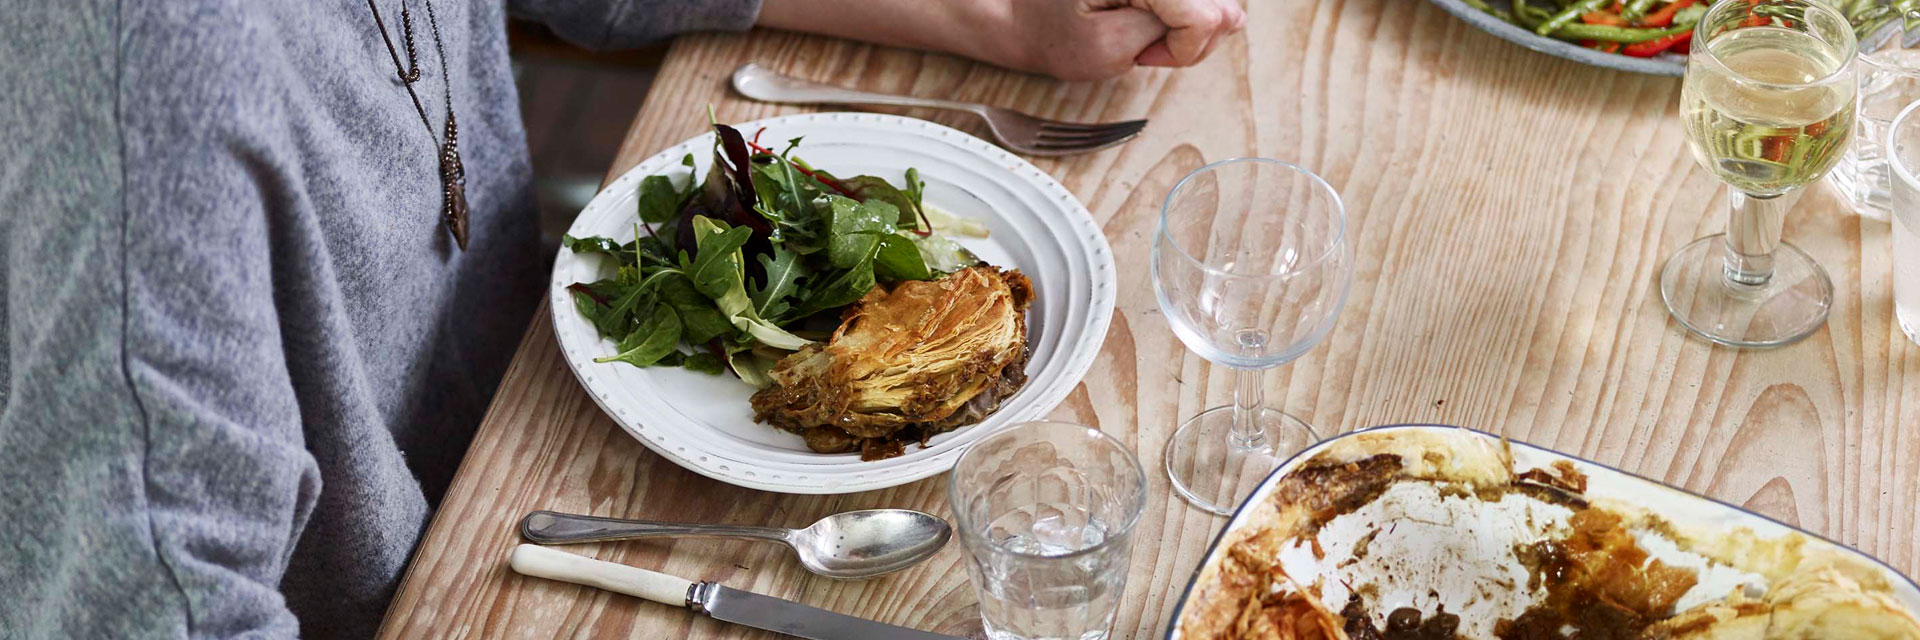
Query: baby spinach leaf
[(594, 244), (658, 200), (653, 339), (853, 235), (704, 363), (595, 303), (869, 189), (839, 290), (898, 259), (699, 319)]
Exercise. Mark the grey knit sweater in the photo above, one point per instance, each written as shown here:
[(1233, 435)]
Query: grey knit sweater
[(239, 357)]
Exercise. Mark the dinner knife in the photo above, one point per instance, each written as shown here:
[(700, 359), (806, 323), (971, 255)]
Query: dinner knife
[(721, 602)]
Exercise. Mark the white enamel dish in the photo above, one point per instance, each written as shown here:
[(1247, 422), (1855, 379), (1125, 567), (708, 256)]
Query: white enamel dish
[(1679, 507), (704, 422)]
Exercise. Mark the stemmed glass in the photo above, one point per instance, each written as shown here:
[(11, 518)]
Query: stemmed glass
[(1769, 105), (1251, 269)]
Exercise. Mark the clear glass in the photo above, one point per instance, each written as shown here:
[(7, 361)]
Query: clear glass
[(1046, 512), (1903, 160), (1768, 104), (1251, 268), (1889, 80)]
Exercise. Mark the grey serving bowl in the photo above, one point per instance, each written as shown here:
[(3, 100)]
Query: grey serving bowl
[(1666, 65)]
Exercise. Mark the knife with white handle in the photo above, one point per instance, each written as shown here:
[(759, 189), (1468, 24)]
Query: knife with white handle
[(723, 603)]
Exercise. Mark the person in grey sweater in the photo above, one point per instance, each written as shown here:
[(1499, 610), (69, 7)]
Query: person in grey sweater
[(243, 351)]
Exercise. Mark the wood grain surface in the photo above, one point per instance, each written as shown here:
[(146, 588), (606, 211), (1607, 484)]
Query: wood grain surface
[(1509, 211)]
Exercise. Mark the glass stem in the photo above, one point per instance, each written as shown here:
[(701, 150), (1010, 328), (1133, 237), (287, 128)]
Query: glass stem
[(1247, 398), (1753, 232)]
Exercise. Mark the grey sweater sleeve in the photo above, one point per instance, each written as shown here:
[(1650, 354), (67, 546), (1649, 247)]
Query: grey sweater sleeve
[(616, 24), (153, 474)]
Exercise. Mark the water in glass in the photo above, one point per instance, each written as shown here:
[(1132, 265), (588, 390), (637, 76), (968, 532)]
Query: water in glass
[(1889, 81), (1903, 142), (1046, 511)]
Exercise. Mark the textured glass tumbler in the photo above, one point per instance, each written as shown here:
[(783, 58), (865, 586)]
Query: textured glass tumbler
[(1046, 512), (1903, 158)]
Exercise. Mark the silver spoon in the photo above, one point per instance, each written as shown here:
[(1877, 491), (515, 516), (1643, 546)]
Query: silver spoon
[(855, 544)]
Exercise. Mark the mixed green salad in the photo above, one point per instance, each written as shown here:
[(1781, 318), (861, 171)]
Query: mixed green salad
[(733, 272)]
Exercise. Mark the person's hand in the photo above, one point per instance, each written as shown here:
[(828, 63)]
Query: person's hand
[(1194, 27), (1066, 39), (1095, 39)]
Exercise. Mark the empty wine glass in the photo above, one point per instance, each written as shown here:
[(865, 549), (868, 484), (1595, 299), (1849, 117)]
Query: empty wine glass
[(1251, 270)]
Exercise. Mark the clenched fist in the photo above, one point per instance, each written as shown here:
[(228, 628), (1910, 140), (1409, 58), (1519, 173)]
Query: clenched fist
[(1067, 39)]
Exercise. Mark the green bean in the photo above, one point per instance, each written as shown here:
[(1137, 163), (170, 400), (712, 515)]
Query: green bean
[(1636, 8), (1528, 15), (1483, 6), (1567, 16), (1777, 11), (1623, 35)]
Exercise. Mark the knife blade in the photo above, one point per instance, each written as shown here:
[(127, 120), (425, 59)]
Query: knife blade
[(721, 602), (728, 604)]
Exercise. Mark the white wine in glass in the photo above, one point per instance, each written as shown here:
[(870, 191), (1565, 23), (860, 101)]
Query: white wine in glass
[(1761, 127), (1768, 105)]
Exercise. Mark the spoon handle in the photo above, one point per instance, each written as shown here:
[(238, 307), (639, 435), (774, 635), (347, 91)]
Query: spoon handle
[(548, 527)]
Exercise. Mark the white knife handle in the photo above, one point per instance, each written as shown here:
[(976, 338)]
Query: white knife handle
[(554, 564)]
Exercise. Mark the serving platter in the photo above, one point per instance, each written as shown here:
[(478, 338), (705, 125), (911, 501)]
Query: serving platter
[(1684, 511), (704, 423), (1665, 65)]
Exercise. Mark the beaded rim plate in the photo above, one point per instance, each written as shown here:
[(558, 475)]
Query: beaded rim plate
[(704, 422)]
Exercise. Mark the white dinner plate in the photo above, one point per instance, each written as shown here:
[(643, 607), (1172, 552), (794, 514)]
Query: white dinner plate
[(704, 423)]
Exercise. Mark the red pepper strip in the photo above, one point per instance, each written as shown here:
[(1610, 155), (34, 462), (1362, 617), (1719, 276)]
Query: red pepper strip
[(1755, 19), (1604, 47), (1774, 148), (1680, 46), (1602, 17), (1664, 17), (1814, 130), (1651, 47)]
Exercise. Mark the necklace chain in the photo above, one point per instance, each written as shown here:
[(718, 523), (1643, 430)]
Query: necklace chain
[(453, 173)]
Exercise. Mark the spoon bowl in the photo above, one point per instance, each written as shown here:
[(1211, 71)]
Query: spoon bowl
[(862, 544), (847, 546)]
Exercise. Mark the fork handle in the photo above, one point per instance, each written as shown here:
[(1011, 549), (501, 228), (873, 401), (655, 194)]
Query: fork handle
[(760, 83)]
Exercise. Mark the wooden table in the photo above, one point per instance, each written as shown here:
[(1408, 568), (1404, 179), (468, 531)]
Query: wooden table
[(1510, 213)]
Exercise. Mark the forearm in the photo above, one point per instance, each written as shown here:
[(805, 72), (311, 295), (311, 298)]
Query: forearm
[(972, 28)]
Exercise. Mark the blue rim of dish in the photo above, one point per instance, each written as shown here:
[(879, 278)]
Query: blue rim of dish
[(1173, 622), (1522, 36)]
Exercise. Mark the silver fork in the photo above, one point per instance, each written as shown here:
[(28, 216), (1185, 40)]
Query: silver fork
[(1017, 131)]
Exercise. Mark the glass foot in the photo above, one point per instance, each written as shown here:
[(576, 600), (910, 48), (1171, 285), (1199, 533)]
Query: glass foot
[(1216, 475), (1790, 306)]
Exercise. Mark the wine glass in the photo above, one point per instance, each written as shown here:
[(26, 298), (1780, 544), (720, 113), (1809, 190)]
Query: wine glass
[(1769, 105), (1251, 269)]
